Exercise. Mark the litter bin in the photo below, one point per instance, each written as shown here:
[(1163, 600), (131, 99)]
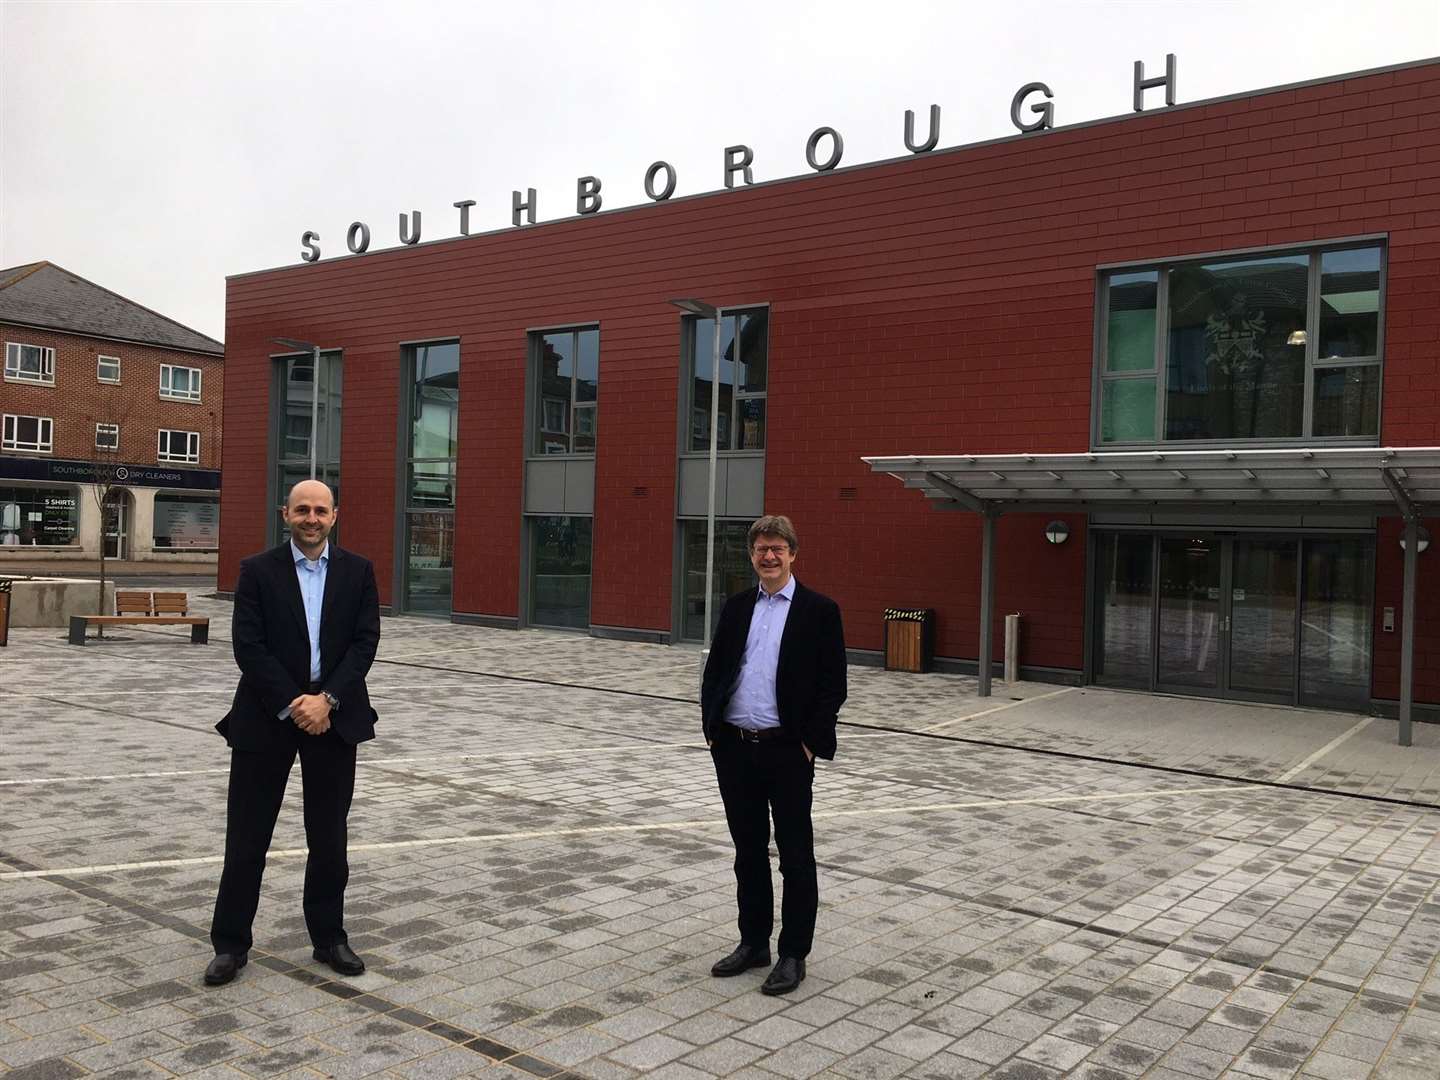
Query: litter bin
[(909, 639)]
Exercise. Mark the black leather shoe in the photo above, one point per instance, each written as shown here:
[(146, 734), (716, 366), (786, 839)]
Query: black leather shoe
[(341, 958), (224, 967), (743, 958), (788, 974)]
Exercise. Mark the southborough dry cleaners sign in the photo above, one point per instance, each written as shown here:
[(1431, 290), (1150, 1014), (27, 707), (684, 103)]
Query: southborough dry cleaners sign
[(660, 178)]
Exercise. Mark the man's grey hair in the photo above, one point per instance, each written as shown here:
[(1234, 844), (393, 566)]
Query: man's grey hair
[(773, 525)]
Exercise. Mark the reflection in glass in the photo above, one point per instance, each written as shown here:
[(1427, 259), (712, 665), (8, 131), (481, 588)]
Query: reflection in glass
[(1127, 410), (297, 385), (700, 385), (435, 401), (560, 571), (432, 484), (1231, 371), (1125, 609), (1130, 331), (754, 350), (1347, 400), (587, 372), (1262, 615), (1349, 304), (1335, 626), (752, 423), (1189, 613), (430, 557), (568, 389), (733, 572)]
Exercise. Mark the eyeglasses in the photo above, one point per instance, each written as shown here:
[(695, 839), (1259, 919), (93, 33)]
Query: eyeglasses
[(770, 549)]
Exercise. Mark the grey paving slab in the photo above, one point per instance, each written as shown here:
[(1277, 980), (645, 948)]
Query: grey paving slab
[(541, 877)]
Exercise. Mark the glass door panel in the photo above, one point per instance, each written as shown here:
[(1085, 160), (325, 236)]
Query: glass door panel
[(1335, 627), (1189, 652), (1125, 609), (1263, 587), (430, 560)]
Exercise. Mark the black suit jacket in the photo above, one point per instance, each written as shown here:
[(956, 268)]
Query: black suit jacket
[(810, 676), (272, 648)]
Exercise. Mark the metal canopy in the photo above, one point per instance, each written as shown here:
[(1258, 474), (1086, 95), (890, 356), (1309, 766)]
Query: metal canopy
[(1382, 479), (1378, 479)]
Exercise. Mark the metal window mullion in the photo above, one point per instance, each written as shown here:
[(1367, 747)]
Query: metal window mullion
[(1312, 345), (1162, 336)]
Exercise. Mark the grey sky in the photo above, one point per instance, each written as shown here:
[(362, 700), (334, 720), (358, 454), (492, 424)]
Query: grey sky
[(155, 148)]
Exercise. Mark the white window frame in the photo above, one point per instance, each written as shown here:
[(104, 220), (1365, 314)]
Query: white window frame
[(14, 360), (167, 379), (100, 361), (44, 434), (108, 429), (164, 452)]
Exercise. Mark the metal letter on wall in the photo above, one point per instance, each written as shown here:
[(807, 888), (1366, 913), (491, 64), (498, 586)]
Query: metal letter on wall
[(357, 237), (837, 149), (405, 237), (587, 195), (312, 249), (1167, 80), (650, 173), (528, 205), (934, 137), (464, 208), (740, 164), (1046, 110)]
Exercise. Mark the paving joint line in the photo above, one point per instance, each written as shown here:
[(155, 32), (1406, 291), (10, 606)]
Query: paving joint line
[(479, 1044)]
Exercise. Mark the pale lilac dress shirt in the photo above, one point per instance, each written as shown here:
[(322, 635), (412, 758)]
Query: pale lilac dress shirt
[(752, 706)]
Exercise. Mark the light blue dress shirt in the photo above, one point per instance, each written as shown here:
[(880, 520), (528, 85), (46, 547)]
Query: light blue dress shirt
[(752, 706), (312, 591)]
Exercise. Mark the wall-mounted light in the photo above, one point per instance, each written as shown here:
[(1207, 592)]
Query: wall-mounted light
[(1422, 541), (1297, 337), (1057, 532)]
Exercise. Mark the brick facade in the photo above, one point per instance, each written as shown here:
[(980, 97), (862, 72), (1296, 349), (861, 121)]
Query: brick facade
[(78, 400), (942, 303)]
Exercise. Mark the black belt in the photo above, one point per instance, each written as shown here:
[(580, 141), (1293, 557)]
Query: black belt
[(774, 734)]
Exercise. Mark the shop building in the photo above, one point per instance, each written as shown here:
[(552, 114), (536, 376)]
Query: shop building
[(104, 400), (518, 421)]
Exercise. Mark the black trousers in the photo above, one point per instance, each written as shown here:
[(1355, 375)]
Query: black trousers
[(257, 788), (756, 780)]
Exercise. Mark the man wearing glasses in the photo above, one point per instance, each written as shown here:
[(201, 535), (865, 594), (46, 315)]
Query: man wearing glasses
[(773, 685)]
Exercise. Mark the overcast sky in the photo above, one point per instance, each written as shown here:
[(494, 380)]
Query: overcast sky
[(156, 147)]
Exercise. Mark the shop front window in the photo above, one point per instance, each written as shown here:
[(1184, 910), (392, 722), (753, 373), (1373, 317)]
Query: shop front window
[(38, 517)]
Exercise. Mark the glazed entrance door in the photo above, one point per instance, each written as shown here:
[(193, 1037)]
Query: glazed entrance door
[(1262, 618)]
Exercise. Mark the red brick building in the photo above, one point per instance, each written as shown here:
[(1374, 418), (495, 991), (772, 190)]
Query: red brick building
[(99, 388), (525, 417)]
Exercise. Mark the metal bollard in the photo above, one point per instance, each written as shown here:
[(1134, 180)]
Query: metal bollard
[(1012, 648)]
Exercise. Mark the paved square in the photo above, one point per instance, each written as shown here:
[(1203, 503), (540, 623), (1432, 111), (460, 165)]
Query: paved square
[(1046, 883)]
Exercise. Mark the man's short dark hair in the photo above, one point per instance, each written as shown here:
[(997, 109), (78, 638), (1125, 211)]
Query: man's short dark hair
[(773, 525)]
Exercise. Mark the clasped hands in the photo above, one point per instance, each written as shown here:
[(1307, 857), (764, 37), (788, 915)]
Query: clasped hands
[(311, 713)]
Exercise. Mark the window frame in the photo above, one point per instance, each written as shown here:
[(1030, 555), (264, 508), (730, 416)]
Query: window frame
[(688, 404), (101, 360), (166, 454), (169, 393), (44, 434), (113, 428), (535, 413), (1315, 253), (47, 363)]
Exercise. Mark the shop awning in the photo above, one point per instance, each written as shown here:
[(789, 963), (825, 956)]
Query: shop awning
[(1403, 481)]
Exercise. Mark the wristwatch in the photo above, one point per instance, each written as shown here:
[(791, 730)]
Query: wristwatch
[(333, 701)]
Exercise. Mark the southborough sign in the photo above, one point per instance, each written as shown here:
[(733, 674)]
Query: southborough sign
[(1034, 99), (84, 472)]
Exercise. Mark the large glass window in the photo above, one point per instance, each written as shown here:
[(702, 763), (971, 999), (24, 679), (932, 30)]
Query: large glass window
[(733, 572), (432, 448), (296, 389), (187, 521), (29, 363), (560, 571), (38, 516), (567, 391), (35, 433), (744, 377), (1266, 347)]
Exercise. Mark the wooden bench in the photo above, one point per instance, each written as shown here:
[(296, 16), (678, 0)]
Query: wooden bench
[(146, 609)]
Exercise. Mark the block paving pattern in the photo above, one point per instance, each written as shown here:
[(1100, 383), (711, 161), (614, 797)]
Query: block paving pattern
[(1040, 884)]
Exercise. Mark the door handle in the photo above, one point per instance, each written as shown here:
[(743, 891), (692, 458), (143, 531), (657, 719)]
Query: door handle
[(1225, 626)]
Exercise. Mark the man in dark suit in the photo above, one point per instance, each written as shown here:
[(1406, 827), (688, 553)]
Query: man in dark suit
[(306, 626), (773, 685)]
